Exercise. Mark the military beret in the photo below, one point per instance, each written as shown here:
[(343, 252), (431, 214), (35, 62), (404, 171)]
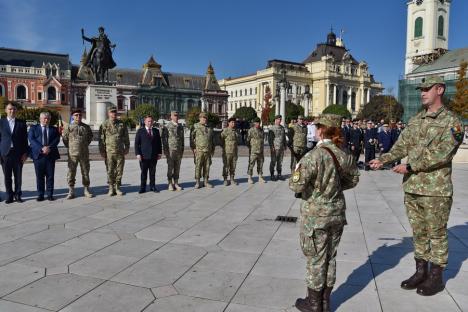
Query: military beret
[(430, 81), (76, 111), (202, 115), (112, 109), (278, 116), (329, 120)]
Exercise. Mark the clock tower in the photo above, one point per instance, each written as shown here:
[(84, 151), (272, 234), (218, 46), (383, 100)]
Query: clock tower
[(427, 31)]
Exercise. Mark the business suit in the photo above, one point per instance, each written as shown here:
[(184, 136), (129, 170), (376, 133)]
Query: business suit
[(44, 163), (150, 149), (370, 141), (385, 141), (13, 147), (355, 141)]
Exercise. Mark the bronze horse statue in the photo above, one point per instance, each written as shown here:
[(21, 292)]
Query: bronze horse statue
[(99, 58)]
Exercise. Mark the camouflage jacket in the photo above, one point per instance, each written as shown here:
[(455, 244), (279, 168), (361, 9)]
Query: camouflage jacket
[(255, 138), (229, 139), (113, 137), (201, 138), (77, 137), (173, 137), (277, 137), (321, 187), (429, 141), (298, 136)]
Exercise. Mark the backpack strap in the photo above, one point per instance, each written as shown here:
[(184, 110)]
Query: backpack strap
[(335, 160)]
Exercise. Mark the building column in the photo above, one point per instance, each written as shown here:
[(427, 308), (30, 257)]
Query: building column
[(327, 94), (368, 95), (283, 103), (350, 93), (334, 94), (306, 105), (361, 99)]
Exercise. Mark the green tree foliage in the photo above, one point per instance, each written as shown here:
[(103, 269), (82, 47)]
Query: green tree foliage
[(292, 112), (129, 122), (246, 113), (382, 107), (192, 118), (32, 115), (338, 110), (459, 103), (143, 110)]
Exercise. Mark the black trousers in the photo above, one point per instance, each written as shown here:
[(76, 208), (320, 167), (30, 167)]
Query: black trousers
[(45, 171), (369, 154), (356, 154), (12, 165), (148, 165)]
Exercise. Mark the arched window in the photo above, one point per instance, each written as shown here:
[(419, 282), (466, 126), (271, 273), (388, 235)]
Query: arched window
[(345, 98), (418, 27), (440, 26), (21, 92), (353, 101), (51, 94), (2, 92)]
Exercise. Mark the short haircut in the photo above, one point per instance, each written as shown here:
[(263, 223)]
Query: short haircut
[(44, 114), (148, 116)]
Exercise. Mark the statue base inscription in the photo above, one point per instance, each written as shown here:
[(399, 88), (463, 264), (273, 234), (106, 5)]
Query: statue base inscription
[(98, 99)]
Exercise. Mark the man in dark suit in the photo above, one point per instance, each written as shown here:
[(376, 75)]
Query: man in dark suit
[(44, 152), (356, 141), (370, 141), (345, 131), (148, 150), (13, 151)]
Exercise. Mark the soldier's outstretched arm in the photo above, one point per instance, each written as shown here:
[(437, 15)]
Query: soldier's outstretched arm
[(399, 149)]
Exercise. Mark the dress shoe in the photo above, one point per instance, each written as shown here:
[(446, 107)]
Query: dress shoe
[(50, 198), (141, 191), (9, 200), (19, 199), (40, 198), (154, 189)]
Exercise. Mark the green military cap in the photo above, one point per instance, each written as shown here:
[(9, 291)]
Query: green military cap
[(174, 113), (202, 115), (112, 109), (429, 81), (278, 116), (256, 119), (329, 120)]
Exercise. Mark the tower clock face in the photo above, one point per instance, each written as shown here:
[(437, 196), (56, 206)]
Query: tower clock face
[(419, 2)]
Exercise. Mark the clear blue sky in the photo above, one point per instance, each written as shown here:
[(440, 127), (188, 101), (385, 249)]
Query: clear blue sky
[(238, 37)]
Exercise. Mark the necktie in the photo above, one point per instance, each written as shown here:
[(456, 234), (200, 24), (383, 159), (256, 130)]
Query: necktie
[(149, 133), (45, 139)]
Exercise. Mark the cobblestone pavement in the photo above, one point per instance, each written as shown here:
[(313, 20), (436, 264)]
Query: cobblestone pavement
[(210, 250)]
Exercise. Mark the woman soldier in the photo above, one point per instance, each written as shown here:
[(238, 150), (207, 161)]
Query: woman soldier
[(319, 179)]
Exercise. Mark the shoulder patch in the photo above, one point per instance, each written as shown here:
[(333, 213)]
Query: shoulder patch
[(296, 176), (457, 133)]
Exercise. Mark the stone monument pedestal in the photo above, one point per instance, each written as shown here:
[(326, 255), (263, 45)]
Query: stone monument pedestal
[(98, 99)]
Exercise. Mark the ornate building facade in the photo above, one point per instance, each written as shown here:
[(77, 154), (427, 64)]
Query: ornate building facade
[(329, 75), (36, 79)]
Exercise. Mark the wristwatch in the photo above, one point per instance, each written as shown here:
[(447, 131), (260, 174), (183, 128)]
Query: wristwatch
[(408, 168)]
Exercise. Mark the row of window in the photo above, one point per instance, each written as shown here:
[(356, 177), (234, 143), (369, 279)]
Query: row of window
[(235, 105), (252, 90), (22, 94), (419, 24)]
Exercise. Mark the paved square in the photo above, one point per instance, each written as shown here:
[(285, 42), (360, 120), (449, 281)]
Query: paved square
[(210, 250)]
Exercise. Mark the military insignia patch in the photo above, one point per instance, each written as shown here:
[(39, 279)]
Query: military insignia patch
[(296, 176), (457, 133)]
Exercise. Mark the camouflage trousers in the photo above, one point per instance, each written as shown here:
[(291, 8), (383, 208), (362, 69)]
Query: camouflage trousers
[(73, 162), (229, 164), (297, 154), (174, 158), (428, 216), (202, 164), (320, 249), (115, 167), (276, 161), (255, 159)]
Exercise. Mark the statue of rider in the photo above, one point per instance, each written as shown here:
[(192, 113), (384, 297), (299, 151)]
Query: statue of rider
[(99, 58)]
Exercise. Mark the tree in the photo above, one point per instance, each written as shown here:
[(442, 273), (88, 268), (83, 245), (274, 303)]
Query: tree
[(246, 113), (143, 110), (292, 112), (32, 114), (337, 110), (192, 117), (459, 103), (266, 113), (382, 107)]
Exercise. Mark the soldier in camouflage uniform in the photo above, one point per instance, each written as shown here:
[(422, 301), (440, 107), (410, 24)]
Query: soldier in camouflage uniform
[(229, 141), (202, 144), (173, 147), (114, 144), (255, 138), (319, 179), (77, 137), (430, 142), (277, 142), (297, 141)]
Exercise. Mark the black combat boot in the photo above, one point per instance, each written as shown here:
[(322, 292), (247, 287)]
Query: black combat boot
[(272, 176), (312, 303), (326, 299), (418, 277), (434, 282)]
